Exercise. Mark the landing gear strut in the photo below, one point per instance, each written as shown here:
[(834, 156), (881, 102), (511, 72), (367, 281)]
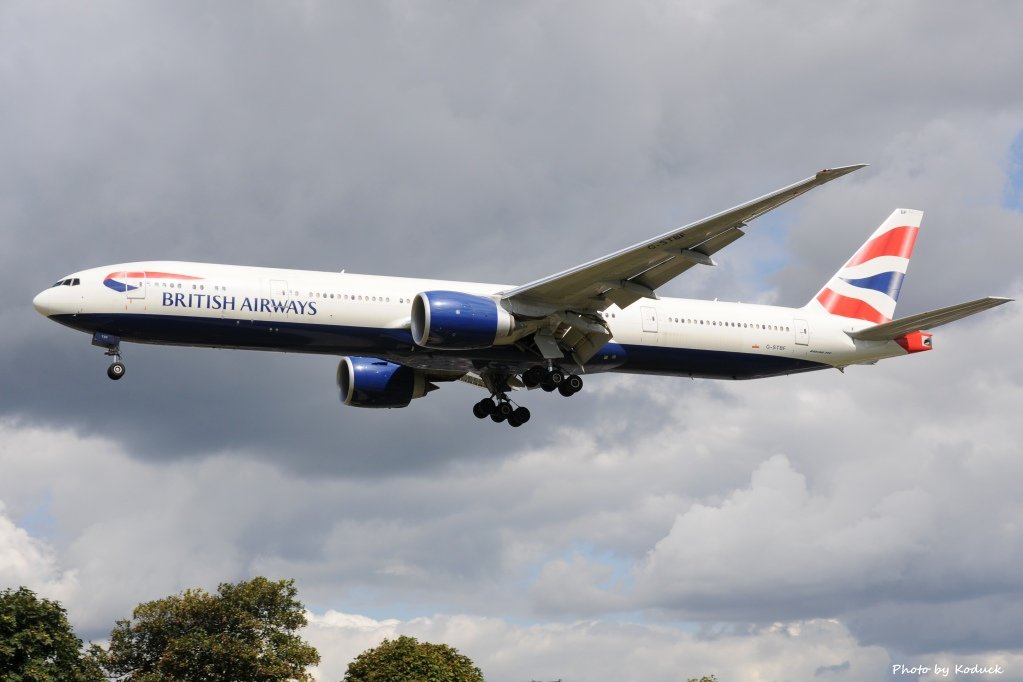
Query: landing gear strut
[(500, 409)]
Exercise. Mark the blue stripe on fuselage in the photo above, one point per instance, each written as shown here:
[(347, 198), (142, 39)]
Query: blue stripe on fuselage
[(396, 345)]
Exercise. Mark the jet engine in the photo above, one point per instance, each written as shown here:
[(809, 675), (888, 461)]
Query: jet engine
[(454, 320), (371, 382)]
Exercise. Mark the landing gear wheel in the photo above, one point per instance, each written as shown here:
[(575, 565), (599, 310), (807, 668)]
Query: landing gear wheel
[(570, 386), (116, 370), (518, 417), (483, 408), (553, 378), (533, 376)]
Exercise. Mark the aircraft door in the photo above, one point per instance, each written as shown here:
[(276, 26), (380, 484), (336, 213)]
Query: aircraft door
[(649, 316), (802, 332), (278, 289), (278, 297)]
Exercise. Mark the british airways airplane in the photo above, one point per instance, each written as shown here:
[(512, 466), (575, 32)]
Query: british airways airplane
[(399, 337)]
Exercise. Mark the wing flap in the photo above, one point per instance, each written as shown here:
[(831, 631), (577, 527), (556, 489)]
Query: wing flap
[(927, 320)]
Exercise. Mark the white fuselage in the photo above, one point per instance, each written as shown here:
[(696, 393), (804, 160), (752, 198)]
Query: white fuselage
[(210, 305)]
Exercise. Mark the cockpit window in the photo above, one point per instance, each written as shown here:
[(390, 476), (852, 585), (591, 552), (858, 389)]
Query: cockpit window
[(69, 282)]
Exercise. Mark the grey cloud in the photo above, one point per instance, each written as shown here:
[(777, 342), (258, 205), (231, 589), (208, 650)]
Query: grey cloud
[(965, 627)]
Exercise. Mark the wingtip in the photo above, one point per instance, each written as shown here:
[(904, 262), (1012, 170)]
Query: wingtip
[(839, 171)]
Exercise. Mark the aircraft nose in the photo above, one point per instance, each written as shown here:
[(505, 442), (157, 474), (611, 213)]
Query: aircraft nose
[(44, 303)]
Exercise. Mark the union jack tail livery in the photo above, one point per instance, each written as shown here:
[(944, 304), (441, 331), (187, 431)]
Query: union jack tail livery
[(867, 286)]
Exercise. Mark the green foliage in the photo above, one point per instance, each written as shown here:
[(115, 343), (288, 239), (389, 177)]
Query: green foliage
[(408, 660), (705, 678), (244, 633), (37, 643)]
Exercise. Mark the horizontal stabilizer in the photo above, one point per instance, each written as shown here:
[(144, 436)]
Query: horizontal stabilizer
[(930, 319)]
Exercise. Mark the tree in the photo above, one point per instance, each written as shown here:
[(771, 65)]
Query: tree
[(408, 660), (244, 633), (37, 643)]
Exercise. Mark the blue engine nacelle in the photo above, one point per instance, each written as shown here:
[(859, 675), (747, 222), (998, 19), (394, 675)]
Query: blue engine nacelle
[(453, 320), (371, 382)]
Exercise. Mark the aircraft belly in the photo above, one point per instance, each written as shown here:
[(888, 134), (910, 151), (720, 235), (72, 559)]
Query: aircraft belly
[(712, 364), (396, 345)]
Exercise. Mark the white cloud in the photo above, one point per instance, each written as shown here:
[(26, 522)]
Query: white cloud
[(30, 562), (603, 651), (774, 541)]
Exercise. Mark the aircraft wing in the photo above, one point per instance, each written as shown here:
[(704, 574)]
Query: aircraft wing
[(928, 320), (636, 272), (564, 309)]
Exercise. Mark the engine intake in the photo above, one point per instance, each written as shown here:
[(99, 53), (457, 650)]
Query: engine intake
[(454, 320), (371, 382)]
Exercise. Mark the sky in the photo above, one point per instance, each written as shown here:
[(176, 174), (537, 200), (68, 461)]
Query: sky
[(823, 526)]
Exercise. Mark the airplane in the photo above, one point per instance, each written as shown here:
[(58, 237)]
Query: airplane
[(400, 337)]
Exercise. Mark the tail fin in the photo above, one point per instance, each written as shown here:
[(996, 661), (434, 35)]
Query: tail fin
[(867, 286)]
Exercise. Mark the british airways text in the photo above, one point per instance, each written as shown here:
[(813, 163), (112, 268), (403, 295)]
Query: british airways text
[(252, 304)]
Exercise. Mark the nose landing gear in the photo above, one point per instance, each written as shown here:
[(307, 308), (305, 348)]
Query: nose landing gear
[(113, 345)]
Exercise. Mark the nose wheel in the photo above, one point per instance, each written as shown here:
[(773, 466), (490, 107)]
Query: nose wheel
[(116, 369)]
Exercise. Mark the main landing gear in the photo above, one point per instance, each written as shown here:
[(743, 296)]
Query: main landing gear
[(551, 378), (113, 345), (499, 408)]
